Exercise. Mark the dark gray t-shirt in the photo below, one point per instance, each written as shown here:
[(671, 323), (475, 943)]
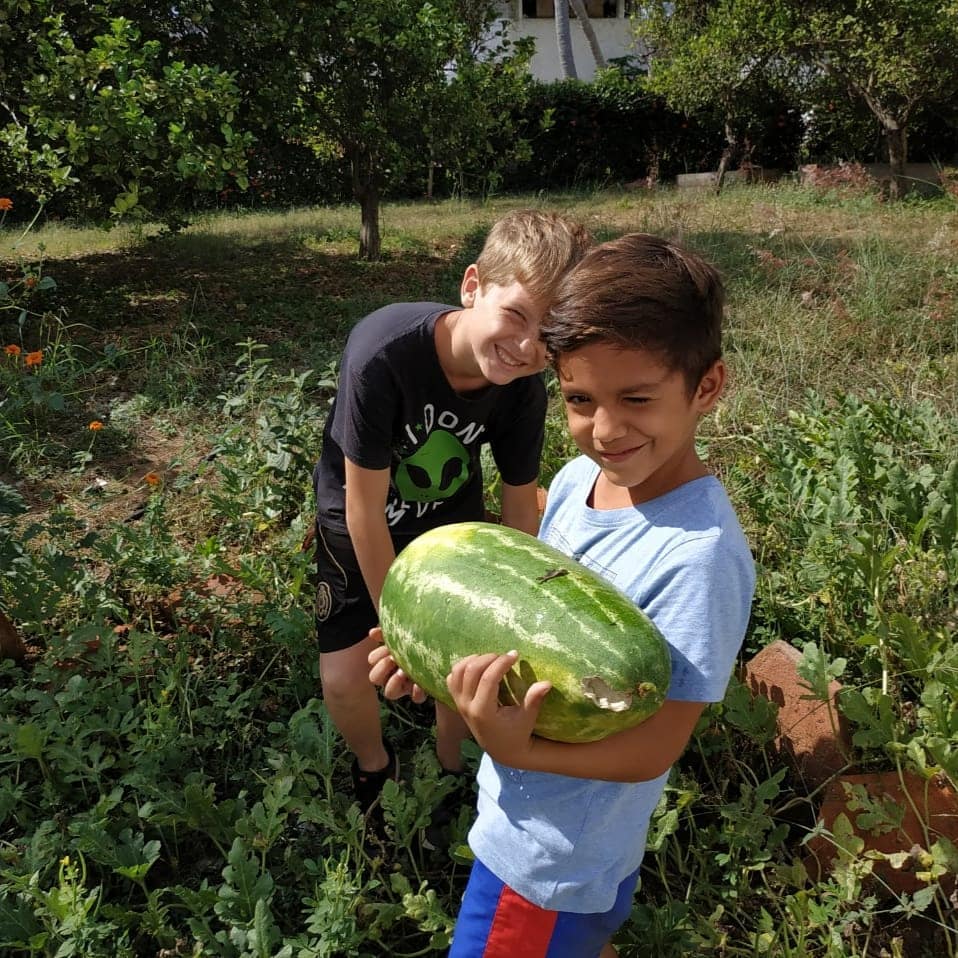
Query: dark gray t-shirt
[(395, 409)]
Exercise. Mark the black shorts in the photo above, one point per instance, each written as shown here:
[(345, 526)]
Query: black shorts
[(344, 611)]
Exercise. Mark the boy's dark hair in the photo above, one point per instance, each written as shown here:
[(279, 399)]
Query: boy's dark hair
[(641, 292)]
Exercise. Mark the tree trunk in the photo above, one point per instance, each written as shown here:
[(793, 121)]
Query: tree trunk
[(896, 138), (564, 40), (893, 126), (369, 240), (728, 154), (582, 15), (366, 190)]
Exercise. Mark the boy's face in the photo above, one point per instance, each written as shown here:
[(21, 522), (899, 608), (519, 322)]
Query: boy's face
[(634, 417), (503, 329)]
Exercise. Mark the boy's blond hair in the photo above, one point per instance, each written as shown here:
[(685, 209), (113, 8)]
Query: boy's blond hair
[(533, 248)]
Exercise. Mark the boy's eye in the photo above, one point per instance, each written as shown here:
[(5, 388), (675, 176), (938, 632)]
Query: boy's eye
[(636, 400), (576, 400)]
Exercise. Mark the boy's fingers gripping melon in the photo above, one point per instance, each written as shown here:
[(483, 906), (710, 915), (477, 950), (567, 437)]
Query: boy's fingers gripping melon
[(474, 587)]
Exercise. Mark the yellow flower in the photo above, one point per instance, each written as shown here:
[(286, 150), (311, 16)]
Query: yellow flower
[(5, 203), (12, 350), (65, 860), (34, 358), (95, 426), (151, 479)]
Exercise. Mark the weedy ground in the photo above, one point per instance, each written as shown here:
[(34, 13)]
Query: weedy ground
[(169, 781)]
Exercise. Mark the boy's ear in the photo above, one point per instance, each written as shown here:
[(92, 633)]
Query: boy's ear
[(710, 387), (470, 285)]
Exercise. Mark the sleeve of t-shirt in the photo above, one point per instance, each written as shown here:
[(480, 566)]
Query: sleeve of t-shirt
[(518, 432), (366, 403), (700, 598)]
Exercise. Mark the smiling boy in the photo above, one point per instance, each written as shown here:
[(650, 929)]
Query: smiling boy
[(422, 387), (635, 340)]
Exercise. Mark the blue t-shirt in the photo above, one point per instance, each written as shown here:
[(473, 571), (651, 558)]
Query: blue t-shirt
[(567, 843)]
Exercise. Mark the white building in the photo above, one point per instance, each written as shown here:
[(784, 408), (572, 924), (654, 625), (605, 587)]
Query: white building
[(536, 19)]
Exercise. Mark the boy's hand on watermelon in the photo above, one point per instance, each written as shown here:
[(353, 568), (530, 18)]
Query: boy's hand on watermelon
[(384, 671), (504, 731)]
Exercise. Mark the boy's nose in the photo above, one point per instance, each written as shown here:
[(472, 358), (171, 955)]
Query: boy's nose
[(532, 349), (605, 426)]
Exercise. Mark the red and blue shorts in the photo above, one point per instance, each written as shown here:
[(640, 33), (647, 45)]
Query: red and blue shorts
[(496, 922)]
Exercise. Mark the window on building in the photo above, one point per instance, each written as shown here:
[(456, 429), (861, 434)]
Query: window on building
[(597, 9)]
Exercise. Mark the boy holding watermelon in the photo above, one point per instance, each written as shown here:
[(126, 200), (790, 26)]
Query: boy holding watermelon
[(422, 387), (635, 339)]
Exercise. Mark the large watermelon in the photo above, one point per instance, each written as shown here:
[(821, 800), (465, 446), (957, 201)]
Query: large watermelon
[(474, 587)]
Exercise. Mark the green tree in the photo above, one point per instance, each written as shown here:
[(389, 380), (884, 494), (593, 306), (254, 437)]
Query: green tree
[(128, 106), (475, 131), (698, 65), (90, 105), (257, 42), (388, 82), (895, 56), (892, 55)]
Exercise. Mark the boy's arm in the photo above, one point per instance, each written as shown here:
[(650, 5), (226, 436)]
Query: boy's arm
[(366, 492), (505, 732), (520, 507)]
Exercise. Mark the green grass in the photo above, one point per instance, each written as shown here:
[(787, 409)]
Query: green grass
[(814, 291), (169, 781)]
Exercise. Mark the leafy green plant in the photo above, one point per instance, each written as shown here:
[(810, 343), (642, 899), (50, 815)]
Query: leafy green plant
[(166, 732), (98, 109), (265, 471)]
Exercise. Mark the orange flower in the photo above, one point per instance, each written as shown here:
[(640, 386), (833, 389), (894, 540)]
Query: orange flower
[(5, 204), (95, 426), (30, 282), (34, 358), (12, 350), (151, 479)]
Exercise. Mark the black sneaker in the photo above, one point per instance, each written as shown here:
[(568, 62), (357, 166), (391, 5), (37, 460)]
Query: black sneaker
[(367, 786)]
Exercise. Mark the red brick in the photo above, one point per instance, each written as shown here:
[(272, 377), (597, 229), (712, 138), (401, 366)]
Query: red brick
[(813, 736), (937, 806)]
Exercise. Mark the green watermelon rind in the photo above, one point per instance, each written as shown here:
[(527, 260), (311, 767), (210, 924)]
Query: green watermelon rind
[(475, 587)]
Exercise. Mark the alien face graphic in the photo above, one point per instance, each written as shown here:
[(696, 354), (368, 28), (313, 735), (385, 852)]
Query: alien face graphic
[(437, 469)]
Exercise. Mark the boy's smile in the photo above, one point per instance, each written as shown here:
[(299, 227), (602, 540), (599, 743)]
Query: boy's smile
[(495, 338), (504, 332), (506, 359), (633, 416)]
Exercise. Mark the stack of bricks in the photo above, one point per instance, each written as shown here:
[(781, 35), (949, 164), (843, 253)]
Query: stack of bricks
[(814, 739)]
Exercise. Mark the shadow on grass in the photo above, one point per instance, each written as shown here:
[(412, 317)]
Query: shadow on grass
[(174, 309)]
